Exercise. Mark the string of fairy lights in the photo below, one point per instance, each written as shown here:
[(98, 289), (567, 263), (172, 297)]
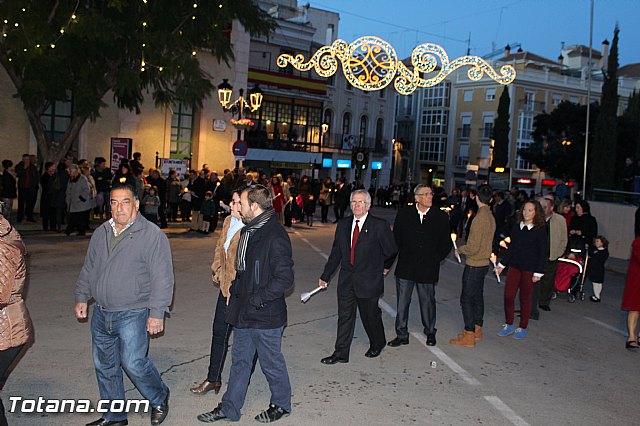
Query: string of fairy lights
[(15, 25)]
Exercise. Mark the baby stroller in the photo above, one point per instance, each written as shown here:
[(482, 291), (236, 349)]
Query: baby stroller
[(570, 275)]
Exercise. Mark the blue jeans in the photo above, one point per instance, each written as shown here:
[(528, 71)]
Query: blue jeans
[(427, 299), (120, 342), (246, 342), (472, 296)]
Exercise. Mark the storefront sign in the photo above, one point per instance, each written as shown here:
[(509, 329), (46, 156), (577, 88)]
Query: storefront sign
[(167, 164)]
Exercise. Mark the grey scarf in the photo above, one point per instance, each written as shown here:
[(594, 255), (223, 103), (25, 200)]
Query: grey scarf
[(246, 233)]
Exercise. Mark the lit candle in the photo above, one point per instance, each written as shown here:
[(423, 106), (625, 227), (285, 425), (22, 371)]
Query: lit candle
[(455, 246), (503, 244), (493, 261)]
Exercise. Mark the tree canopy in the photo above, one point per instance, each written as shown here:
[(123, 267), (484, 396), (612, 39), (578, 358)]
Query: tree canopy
[(559, 138), (79, 51)]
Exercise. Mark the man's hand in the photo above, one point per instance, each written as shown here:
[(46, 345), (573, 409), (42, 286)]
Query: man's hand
[(322, 284), (80, 310), (155, 326), (498, 269), (535, 279), (385, 272)]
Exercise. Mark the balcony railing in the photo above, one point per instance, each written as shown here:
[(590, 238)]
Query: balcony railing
[(347, 142), (257, 140), (485, 133), (528, 106), (462, 160), (464, 132)]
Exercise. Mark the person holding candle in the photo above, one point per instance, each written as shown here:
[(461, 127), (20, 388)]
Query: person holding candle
[(423, 240), (477, 251), (526, 258)]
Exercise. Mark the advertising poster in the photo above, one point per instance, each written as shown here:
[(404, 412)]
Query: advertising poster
[(120, 148)]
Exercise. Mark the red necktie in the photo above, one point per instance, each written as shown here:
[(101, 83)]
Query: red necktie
[(354, 240)]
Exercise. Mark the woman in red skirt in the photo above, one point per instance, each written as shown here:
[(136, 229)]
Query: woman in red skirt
[(631, 295)]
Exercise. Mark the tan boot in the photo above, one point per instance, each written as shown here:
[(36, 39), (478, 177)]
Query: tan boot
[(467, 340), (478, 333)]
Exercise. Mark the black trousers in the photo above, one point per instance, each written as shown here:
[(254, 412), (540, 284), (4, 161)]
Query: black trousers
[(370, 315), (542, 290), (7, 357), (26, 203), (324, 212), (77, 222), (219, 341), (472, 297)]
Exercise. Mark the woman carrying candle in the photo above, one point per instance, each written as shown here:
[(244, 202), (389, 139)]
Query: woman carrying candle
[(525, 257)]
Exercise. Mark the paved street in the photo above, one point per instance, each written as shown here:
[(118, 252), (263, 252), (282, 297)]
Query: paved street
[(571, 369)]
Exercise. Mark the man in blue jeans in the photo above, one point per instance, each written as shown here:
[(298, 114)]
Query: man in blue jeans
[(257, 309), (128, 271)]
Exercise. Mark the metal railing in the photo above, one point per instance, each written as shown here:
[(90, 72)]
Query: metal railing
[(614, 196)]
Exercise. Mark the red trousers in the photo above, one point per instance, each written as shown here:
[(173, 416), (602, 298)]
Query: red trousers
[(518, 280)]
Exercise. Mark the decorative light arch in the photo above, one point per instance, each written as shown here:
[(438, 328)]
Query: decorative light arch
[(370, 63)]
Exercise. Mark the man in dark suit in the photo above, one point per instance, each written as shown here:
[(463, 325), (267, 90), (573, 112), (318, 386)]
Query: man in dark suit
[(422, 235), (365, 250), (340, 199)]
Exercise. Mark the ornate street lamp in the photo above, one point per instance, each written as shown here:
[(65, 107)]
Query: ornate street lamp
[(225, 91)]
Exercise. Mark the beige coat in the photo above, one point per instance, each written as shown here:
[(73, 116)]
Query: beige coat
[(223, 268), (557, 236), (15, 323)]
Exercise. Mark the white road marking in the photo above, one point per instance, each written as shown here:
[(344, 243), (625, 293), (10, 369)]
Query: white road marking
[(608, 327), (506, 411), (315, 248)]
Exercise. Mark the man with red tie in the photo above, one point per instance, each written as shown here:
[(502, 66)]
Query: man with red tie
[(365, 249)]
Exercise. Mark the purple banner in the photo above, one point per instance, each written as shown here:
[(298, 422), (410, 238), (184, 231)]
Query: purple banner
[(120, 148)]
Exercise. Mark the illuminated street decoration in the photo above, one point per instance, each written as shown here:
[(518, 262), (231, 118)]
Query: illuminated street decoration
[(370, 63)]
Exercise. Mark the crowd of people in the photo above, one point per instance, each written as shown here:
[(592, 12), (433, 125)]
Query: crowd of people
[(253, 264)]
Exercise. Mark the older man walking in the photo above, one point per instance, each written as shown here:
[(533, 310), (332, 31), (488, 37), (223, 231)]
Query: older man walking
[(364, 249), (257, 309), (128, 271), (422, 235)]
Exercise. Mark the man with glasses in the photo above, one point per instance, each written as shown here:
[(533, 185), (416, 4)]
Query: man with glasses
[(556, 227), (423, 239), (364, 249)]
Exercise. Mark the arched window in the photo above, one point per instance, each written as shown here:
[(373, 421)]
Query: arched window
[(379, 131), (346, 123), (363, 131)]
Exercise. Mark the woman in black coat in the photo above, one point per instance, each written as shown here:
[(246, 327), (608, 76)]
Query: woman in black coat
[(583, 227)]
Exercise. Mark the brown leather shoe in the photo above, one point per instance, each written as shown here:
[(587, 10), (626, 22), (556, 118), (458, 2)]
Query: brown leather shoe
[(207, 386), (467, 339)]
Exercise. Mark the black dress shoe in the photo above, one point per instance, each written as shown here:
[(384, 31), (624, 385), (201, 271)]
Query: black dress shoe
[(372, 353), (212, 416), (333, 359), (104, 422), (431, 339), (397, 342), (545, 308), (159, 413)]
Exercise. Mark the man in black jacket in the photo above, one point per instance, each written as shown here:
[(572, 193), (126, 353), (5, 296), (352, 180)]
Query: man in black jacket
[(340, 199), (422, 235), (28, 181), (257, 309), (364, 249)]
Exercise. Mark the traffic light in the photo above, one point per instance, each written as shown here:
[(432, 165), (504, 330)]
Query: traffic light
[(360, 158)]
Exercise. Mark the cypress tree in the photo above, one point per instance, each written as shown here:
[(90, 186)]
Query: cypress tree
[(606, 131), (501, 128)]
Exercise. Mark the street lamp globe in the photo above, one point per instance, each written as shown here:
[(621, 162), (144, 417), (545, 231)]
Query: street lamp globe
[(255, 98), (224, 93)]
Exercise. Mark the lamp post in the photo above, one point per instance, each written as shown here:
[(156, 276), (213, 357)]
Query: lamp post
[(225, 91)]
